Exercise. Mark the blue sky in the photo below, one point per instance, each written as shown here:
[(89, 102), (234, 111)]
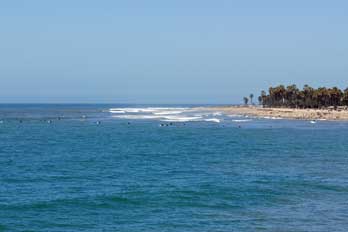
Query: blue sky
[(182, 51)]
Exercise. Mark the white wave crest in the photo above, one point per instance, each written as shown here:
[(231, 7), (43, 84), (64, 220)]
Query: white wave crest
[(212, 120), (217, 114), (242, 120), (137, 116), (168, 112), (145, 110), (234, 115), (181, 119), (273, 118), (117, 111)]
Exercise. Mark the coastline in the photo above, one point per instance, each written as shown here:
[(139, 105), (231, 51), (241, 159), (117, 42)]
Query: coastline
[(286, 113)]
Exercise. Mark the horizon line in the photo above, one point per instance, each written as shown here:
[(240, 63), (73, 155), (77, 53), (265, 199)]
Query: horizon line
[(108, 103)]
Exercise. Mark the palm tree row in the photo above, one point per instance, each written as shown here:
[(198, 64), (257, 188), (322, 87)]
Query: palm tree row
[(246, 99), (308, 97)]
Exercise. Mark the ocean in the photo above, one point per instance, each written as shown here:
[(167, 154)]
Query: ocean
[(168, 168)]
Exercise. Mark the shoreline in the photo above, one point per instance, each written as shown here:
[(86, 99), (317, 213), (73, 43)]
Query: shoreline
[(284, 113)]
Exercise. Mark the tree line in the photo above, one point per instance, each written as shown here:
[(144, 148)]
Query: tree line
[(308, 97)]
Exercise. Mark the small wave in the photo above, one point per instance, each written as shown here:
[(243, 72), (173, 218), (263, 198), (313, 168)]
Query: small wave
[(145, 110), (117, 111), (242, 120), (212, 120), (234, 115), (180, 119), (217, 114), (208, 114), (127, 116), (168, 112), (131, 110), (273, 118), (168, 118)]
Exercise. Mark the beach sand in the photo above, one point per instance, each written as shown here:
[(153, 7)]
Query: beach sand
[(288, 113)]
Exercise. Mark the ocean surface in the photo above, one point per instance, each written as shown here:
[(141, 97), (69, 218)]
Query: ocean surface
[(168, 168)]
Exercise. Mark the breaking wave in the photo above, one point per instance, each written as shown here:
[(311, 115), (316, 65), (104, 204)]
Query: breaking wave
[(180, 114), (166, 114)]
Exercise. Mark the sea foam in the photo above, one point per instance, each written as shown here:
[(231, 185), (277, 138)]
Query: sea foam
[(167, 114)]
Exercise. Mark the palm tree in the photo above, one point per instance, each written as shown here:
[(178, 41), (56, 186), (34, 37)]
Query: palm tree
[(335, 96), (321, 97), (246, 100), (290, 96), (264, 98), (251, 98), (345, 97), (271, 96), (277, 95), (260, 100), (308, 96)]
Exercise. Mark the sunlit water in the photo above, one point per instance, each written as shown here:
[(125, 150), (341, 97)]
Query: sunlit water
[(141, 168)]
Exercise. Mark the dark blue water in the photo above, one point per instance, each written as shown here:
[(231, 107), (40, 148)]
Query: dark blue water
[(133, 175)]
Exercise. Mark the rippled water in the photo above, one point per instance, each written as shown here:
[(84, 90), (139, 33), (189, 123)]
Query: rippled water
[(80, 168)]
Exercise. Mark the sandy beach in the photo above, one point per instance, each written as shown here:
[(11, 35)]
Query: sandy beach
[(287, 113)]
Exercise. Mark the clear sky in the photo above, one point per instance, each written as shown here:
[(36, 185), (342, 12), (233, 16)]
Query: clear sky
[(157, 51)]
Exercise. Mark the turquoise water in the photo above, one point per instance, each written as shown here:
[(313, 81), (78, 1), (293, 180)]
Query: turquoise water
[(92, 171)]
